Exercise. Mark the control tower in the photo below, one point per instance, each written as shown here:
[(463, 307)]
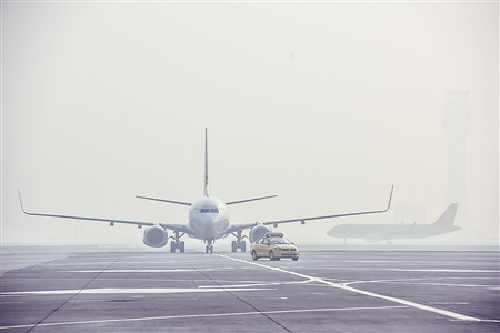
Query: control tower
[(456, 121)]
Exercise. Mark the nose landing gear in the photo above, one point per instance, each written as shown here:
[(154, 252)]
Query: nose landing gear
[(209, 248)]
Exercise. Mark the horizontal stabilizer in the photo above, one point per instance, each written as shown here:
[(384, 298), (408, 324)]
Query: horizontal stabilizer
[(163, 200), (253, 199)]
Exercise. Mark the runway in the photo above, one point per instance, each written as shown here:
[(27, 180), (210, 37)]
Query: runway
[(325, 291)]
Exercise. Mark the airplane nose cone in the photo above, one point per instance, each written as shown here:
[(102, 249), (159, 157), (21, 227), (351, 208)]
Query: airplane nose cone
[(213, 218)]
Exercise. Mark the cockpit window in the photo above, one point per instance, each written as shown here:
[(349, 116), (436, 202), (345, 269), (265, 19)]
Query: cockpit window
[(209, 210)]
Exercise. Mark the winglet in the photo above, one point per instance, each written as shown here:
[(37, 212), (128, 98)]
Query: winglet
[(390, 199), (21, 202)]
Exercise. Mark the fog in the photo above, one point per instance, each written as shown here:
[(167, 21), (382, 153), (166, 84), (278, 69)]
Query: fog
[(324, 104)]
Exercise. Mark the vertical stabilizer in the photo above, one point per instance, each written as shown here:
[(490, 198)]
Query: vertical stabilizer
[(205, 180), (448, 217)]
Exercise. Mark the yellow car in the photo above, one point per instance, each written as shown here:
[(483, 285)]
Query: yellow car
[(274, 247)]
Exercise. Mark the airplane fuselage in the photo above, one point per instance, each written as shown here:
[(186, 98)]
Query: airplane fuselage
[(373, 233), (208, 218)]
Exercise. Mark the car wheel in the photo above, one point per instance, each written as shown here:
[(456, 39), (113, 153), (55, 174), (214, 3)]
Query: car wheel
[(295, 259), (254, 256), (271, 255)]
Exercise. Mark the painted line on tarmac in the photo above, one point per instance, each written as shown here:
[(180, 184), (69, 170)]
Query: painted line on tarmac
[(122, 291), (344, 286), (151, 270), (265, 284), (361, 308), (413, 282)]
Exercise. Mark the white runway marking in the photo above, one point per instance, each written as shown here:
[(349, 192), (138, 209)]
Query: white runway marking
[(2, 303), (202, 315), (413, 281), (252, 284), (412, 270), (346, 287), (121, 291), (454, 303), (149, 270)]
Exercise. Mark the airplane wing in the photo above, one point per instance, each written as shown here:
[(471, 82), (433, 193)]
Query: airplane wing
[(240, 227), (183, 228)]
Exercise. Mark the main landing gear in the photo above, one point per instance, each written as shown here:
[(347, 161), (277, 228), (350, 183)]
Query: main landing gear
[(176, 243), (239, 244)]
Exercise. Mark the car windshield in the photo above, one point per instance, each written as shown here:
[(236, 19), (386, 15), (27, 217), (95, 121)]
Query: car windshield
[(280, 241)]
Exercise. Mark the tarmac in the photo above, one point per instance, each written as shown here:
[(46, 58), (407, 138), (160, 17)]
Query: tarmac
[(325, 291)]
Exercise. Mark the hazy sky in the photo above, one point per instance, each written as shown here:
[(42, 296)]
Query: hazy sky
[(324, 104)]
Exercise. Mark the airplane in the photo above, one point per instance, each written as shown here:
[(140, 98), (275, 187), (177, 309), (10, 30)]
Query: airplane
[(208, 220), (374, 233)]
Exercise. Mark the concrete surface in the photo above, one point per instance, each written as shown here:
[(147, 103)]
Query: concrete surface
[(324, 291)]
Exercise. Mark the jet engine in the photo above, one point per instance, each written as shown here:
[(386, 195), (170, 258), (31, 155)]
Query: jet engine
[(257, 232), (155, 236)]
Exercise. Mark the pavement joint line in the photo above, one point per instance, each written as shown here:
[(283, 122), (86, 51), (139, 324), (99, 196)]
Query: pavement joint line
[(104, 321), (344, 286), (69, 299), (243, 301)]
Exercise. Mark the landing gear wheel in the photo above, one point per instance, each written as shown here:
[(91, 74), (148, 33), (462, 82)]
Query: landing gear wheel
[(173, 247), (181, 247), (209, 248), (243, 246), (254, 256), (271, 256), (234, 246)]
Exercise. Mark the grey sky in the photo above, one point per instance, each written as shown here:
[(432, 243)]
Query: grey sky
[(324, 104)]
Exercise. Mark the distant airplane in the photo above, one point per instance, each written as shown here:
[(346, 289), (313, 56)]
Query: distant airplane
[(374, 233), (208, 221)]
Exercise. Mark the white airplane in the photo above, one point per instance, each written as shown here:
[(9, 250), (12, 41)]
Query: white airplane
[(208, 221), (374, 233)]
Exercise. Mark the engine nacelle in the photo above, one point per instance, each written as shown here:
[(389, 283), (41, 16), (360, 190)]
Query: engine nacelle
[(155, 236), (258, 232)]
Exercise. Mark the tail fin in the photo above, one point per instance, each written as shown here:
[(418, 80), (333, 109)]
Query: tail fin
[(205, 185), (448, 217)]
